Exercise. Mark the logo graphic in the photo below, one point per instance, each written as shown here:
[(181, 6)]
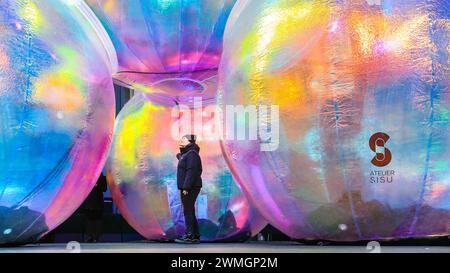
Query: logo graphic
[(377, 144), (374, 247)]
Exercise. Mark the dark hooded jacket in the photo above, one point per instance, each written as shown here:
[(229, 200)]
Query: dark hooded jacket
[(95, 201), (189, 169)]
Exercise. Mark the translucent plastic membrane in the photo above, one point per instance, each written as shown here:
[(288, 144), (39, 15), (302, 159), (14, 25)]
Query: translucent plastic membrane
[(363, 93), (142, 169), (162, 38), (56, 112)]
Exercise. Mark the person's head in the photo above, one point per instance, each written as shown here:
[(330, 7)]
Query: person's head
[(186, 140)]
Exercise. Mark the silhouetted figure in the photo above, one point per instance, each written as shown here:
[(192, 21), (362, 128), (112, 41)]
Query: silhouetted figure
[(21, 226), (93, 209), (189, 183)]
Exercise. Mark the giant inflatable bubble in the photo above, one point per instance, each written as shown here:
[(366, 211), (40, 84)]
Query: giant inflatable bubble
[(163, 39), (141, 172), (363, 94), (56, 112)]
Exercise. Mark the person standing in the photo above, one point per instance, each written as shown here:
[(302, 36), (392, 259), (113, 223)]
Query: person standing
[(189, 183), (93, 210)]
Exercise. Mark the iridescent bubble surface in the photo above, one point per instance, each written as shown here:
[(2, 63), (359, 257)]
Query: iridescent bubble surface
[(142, 169), (163, 37), (342, 71), (57, 112)]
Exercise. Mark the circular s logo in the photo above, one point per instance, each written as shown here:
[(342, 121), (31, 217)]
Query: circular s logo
[(377, 144)]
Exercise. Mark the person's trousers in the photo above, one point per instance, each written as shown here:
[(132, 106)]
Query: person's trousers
[(94, 221), (190, 218)]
